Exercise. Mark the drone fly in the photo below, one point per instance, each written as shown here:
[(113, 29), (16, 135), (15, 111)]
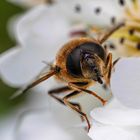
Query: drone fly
[(79, 64)]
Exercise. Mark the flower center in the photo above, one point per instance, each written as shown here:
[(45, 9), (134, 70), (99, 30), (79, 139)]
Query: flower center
[(130, 34)]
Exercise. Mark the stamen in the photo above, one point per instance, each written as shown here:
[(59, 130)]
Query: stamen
[(113, 20), (131, 31), (112, 46), (105, 46), (97, 10), (77, 8), (122, 40), (137, 34), (130, 43), (132, 12), (122, 2), (135, 3), (133, 24)]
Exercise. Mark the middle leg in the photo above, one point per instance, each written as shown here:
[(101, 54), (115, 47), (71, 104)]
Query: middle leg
[(57, 91), (60, 90), (69, 104), (77, 88), (109, 68)]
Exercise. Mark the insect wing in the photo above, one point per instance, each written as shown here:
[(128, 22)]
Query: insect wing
[(45, 73)]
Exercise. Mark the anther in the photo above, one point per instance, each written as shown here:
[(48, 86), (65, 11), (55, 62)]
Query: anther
[(97, 10), (113, 20), (112, 46), (122, 2), (77, 8), (122, 40), (131, 31)]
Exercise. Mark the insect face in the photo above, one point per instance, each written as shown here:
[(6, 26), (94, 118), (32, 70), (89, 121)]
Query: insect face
[(92, 66), (83, 57)]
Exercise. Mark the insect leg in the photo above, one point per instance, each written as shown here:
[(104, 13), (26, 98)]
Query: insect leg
[(59, 91), (109, 33), (109, 73), (69, 104), (75, 87), (36, 82), (108, 68), (115, 61)]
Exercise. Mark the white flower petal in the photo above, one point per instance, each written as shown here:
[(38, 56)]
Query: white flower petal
[(87, 14), (41, 37), (42, 124), (42, 26), (19, 67), (125, 82), (10, 53), (109, 132), (114, 113), (42, 127)]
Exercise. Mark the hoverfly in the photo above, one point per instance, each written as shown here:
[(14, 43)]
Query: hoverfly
[(80, 63)]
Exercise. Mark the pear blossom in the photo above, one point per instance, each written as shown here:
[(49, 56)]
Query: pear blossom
[(25, 61), (120, 118), (39, 36), (42, 123), (40, 32), (125, 82), (83, 10), (43, 128), (115, 121)]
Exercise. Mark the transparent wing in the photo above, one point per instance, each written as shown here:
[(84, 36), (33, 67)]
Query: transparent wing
[(48, 66), (44, 74)]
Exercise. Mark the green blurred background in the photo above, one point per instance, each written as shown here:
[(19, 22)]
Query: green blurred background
[(7, 10)]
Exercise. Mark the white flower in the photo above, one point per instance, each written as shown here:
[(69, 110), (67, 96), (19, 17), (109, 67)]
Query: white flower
[(42, 31), (115, 121), (39, 37), (120, 118), (43, 124), (43, 127), (90, 11), (125, 82)]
